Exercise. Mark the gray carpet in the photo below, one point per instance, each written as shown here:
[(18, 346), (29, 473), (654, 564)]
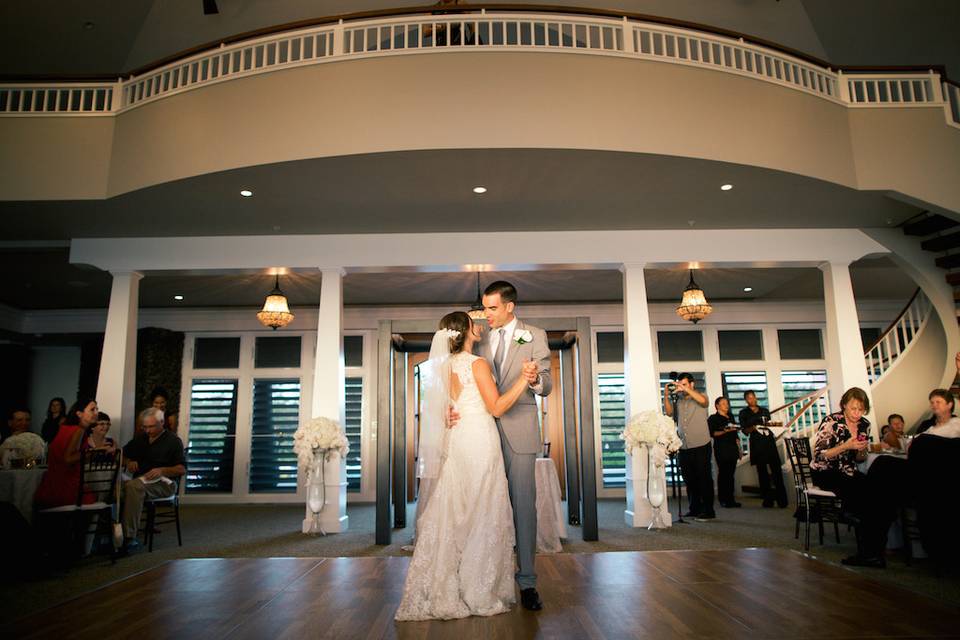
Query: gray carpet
[(233, 531)]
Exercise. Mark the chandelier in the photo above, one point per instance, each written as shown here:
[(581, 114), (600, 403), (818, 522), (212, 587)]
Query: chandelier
[(476, 309), (694, 306), (275, 313)]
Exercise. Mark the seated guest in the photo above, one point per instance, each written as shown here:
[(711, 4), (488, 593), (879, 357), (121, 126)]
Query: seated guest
[(841, 442), (18, 421), (763, 451), (891, 432), (56, 413), (726, 449), (154, 458), (941, 406), (61, 483), (98, 438), (932, 462)]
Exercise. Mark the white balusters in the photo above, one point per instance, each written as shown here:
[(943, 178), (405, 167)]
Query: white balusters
[(897, 339)]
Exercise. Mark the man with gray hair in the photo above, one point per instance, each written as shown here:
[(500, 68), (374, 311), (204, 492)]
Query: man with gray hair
[(154, 458)]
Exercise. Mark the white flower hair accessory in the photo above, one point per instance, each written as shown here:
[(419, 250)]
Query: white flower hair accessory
[(522, 336), (448, 333)]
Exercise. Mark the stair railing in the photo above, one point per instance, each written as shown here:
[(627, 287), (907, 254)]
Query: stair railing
[(896, 339)]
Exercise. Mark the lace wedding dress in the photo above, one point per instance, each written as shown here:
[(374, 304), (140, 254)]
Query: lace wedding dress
[(463, 561)]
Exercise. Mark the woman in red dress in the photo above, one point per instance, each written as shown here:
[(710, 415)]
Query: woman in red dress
[(61, 482)]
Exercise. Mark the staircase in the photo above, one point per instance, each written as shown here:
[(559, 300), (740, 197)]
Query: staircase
[(940, 235)]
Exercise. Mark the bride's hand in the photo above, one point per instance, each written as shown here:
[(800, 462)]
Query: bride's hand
[(530, 372), (453, 417)]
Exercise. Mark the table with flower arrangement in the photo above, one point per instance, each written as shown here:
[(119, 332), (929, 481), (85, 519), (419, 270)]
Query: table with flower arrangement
[(18, 487)]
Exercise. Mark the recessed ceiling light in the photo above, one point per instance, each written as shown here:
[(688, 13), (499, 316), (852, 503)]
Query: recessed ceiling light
[(747, 289), (479, 189), (246, 193), (726, 187), (178, 297)]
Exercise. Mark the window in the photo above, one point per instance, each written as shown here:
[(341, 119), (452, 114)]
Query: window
[(354, 409), (353, 351), (277, 352), (741, 345), (212, 428), (800, 344), (612, 419), (216, 353), (678, 346), (610, 346), (797, 384), (869, 336), (276, 414)]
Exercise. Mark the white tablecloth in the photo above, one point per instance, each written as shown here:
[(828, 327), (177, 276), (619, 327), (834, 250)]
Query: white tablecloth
[(551, 525), (19, 486)]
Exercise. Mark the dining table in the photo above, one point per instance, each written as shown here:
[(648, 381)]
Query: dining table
[(18, 486)]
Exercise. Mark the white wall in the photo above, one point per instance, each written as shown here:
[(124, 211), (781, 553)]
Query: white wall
[(54, 372)]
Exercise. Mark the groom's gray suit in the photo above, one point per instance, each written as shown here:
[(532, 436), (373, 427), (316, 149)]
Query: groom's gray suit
[(520, 437)]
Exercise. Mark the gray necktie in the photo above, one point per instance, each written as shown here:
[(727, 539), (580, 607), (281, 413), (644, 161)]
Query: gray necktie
[(498, 356)]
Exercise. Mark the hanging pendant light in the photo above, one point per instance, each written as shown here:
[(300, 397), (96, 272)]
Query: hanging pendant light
[(476, 309), (275, 313), (694, 306)]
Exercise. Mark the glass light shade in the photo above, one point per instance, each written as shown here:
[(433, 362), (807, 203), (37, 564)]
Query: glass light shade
[(694, 306), (275, 313), (476, 309), (477, 314)]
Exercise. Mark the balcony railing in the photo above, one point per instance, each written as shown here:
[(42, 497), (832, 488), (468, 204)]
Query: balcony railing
[(485, 31)]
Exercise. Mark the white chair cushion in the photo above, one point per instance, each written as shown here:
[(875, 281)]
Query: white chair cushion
[(819, 493), (67, 508)]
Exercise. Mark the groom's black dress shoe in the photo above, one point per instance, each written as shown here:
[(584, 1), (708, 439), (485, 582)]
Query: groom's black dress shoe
[(530, 599)]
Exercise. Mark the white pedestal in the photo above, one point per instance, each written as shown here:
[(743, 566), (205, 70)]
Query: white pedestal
[(333, 516), (639, 512)]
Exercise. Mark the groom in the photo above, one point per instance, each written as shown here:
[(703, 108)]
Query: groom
[(515, 349)]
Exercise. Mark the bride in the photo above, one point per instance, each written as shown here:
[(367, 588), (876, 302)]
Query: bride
[(463, 563)]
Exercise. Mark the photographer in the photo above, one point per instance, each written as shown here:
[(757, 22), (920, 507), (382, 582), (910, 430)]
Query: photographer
[(694, 455)]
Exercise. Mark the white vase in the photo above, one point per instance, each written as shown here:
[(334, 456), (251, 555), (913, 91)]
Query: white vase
[(640, 511), (326, 499), (656, 484)]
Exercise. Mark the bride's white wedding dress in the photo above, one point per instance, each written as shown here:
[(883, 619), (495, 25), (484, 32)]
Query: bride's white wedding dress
[(463, 563)]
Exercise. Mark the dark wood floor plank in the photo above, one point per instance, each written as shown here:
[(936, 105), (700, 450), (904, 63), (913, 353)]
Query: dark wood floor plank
[(756, 593)]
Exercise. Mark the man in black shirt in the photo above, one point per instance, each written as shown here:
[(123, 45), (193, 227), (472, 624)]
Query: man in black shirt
[(154, 458), (763, 451), (726, 449)]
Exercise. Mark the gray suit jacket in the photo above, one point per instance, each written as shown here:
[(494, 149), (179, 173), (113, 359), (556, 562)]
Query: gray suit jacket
[(520, 425)]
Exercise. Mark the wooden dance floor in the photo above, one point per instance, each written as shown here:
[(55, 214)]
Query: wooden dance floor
[(749, 593)]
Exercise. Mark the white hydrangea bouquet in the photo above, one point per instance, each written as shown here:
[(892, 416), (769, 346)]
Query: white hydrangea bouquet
[(316, 435), (30, 445), (651, 428)]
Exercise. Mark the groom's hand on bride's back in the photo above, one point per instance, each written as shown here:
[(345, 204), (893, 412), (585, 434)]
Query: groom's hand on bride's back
[(453, 417)]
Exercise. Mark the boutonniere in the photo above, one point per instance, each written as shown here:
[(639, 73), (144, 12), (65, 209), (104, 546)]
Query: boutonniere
[(522, 336)]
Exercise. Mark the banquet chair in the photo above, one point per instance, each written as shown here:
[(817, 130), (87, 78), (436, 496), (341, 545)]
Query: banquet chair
[(159, 511), (98, 478), (813, 503)]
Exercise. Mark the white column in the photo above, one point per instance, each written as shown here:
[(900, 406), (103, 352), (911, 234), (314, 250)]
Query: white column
[(642, 386), (846, 366), (329, 397), (118, 363)]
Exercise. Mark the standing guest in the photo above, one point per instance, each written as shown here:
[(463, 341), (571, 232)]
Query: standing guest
[(56, 413), (18, 421), (98, 438), (61, 483), (763, 451), (941, 406), (154, 458), (159, 399), (841, 442), (694, 453), (726, 449)]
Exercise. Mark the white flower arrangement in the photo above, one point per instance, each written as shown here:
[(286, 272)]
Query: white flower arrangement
[(651, 428), (522, 336), (319, 434), (31, 446)]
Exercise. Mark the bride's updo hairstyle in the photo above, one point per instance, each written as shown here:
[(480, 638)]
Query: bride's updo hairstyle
[(457, 321)]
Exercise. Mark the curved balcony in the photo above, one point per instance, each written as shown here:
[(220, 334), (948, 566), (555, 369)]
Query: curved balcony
[(692, 84)]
